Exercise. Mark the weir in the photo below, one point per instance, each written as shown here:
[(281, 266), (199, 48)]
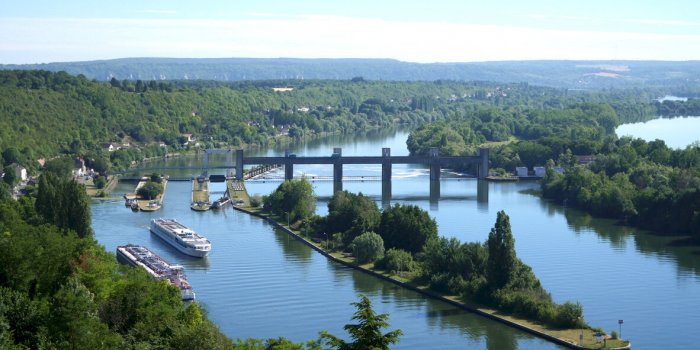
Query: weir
[(433, 160)]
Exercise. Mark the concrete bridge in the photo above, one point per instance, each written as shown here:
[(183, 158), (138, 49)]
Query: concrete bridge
[(433, 159)]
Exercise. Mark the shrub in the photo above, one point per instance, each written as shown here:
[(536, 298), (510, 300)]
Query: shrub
[(100, 182), (256, 201), (397, 260), (568, 315), (614, 335), (367, 247)]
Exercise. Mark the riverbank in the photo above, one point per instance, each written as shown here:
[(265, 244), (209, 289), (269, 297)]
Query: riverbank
[(568, 338)]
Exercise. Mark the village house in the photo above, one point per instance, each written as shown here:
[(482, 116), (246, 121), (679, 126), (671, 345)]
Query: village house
[(79, 167), (111, 147), (20, 171)]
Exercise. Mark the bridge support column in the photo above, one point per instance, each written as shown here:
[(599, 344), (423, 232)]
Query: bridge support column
[(386, 164), (239, 164), (483, 163), (288, 166), (434, 164), (337, 169)]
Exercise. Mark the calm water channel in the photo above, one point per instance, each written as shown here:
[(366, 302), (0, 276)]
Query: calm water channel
[(676, 132), (259, 283)]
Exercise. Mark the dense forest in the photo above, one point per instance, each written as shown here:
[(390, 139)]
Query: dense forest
[(562, 74), (645, 184), (45, 114)]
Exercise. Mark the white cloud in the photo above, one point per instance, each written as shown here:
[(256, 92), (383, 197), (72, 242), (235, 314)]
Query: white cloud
[(42, 40)]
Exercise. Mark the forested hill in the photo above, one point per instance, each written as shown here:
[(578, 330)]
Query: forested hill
[(567, 74)]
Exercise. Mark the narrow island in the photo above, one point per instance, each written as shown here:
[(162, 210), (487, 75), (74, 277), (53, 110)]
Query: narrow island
[(401, 244)]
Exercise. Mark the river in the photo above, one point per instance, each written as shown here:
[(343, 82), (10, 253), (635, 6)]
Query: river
[(676, 132), (258, 282)]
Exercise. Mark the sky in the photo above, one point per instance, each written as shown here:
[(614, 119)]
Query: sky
[(42, 31)]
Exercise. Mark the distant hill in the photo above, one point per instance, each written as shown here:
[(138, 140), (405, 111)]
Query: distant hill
[(568, 74)]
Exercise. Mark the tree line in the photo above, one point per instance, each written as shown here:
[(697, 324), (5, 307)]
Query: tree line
[(403, 240), (45, 114)]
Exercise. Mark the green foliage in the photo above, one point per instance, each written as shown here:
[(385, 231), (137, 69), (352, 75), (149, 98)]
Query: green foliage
[(367, 247), (642, 183), (407, 227), (61, 167), (60, 291), (150, 190), (502, 262), (295, 197), (63, 202), (614, 335), (367, 333), (256, 201), (100, 182), (10, 177), (351, 215), (397, 261)]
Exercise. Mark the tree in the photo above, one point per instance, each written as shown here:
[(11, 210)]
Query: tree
[(100, 182), (150, 190), (367, 247), (367, 333), (502, 261), (351, 215), (61, 167), (11, 155), (295, 197), (10, 177), (407, 227), (64, 203)]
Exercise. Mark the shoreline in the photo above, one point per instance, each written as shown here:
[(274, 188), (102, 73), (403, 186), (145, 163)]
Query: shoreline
[(427, 292)]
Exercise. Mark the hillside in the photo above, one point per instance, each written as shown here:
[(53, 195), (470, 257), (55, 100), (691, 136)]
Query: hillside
[(566, 74)]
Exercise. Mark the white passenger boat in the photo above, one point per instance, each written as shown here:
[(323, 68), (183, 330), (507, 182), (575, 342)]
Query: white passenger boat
[(181, 237)]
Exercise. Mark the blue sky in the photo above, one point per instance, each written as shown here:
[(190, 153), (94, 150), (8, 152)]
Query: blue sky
[(417, 31)]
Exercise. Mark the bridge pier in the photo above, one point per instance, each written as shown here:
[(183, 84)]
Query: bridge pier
[(386, 176), (239, 164), (337, 169), (288, 166), (483, 163), (434, 164), (386, 164)]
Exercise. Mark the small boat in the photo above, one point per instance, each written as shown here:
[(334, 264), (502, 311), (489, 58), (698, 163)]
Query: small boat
[(221, 202), (140, 256), (181, 237), (135, 206)]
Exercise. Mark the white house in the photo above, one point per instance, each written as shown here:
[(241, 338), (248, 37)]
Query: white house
[(20, 171)]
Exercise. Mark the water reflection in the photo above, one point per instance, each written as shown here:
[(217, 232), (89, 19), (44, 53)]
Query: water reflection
[(683, 251), (293, 250)]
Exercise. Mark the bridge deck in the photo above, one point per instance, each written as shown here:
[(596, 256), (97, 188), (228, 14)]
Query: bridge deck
[(360, 160)]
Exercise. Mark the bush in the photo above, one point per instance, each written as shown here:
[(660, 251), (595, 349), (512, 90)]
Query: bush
[(256, 201), (397, 260), (614, 335), (100, 182), (569, 315), (367, 247)]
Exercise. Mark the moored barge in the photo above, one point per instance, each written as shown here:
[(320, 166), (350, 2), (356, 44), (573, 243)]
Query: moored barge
[(140, 256)]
